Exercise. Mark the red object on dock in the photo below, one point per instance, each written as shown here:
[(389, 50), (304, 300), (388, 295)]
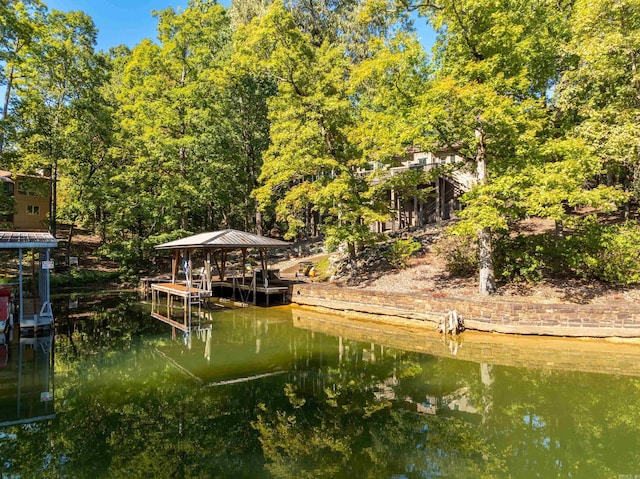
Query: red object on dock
[(4, 305)]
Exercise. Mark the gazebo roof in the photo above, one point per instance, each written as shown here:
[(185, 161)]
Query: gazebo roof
[(227, 239), (23, 239)]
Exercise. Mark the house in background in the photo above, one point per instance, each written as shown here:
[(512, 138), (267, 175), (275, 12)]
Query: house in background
[(31, 194), (410, 210)]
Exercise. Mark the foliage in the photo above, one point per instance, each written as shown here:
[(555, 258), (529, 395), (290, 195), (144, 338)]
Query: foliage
[(20, 24), (323, 269), (388, 86), (591, 250), (401, 250), (7, 203), (606, 252), (310, 166), (272, 115), (136, 254), (75, 278), (600, 93), (528, 258), (459, 254), (168, 139)]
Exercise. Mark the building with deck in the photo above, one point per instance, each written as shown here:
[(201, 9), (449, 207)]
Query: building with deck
[(413, 210)]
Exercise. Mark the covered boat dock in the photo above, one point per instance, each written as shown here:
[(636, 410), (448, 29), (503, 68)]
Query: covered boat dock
[(35, 312), (191, 287)]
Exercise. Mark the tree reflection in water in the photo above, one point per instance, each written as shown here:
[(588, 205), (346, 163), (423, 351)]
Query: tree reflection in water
[(256, 397)]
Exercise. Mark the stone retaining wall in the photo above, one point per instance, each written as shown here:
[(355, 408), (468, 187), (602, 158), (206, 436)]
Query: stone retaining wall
[(491, 314)]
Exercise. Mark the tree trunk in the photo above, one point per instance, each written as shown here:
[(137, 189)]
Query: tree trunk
[(258, 222), (414, 221), (53, 215), (5, 106), (351, 246), (626, 184), (485, 249), (485, 254), (67, 250), (396, 212), (444, 214)]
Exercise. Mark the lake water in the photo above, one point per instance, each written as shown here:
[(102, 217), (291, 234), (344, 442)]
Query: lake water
[(286, 393)]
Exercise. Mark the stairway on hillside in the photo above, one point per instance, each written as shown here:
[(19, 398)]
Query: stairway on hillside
[(64, 234)]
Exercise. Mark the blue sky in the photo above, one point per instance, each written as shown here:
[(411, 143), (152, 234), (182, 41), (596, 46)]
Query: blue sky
[(118, 21), (130, 21)]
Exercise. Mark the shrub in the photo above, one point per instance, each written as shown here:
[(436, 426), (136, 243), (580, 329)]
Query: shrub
[(460, 254), (400, 252), (607, 252), (523, 258), (323, 269), (593, 251), (81, 277)]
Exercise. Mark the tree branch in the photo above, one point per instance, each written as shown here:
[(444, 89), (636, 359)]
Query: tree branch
[(465, 34), (417, 6)]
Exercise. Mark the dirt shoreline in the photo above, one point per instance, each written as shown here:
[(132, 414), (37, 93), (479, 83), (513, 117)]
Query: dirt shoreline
[(426, 275)]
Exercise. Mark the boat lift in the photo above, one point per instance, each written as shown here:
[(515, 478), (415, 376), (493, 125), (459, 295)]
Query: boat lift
[(35, 314)]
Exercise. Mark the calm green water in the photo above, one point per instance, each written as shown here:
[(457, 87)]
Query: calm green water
[(255, 396)]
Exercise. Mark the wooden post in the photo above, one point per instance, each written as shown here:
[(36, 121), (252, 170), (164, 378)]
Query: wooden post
[(443, 194), (20, 284), (189, 283), (255, 287), (215, 261), (244, 263), (223, 263), (265, 273), (207, 272), (34, 285), (263, 260), (396, 213), (184, 312), (438, 208), (174, 266), (189, 272)]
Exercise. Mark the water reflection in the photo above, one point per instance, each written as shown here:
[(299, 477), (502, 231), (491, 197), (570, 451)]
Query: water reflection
[(27, 380), (261, 393)]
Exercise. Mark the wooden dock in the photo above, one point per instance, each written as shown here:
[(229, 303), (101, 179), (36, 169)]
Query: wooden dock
[(248, 287), (168, 298), (146, 282), (213, 249), (188, 295)]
